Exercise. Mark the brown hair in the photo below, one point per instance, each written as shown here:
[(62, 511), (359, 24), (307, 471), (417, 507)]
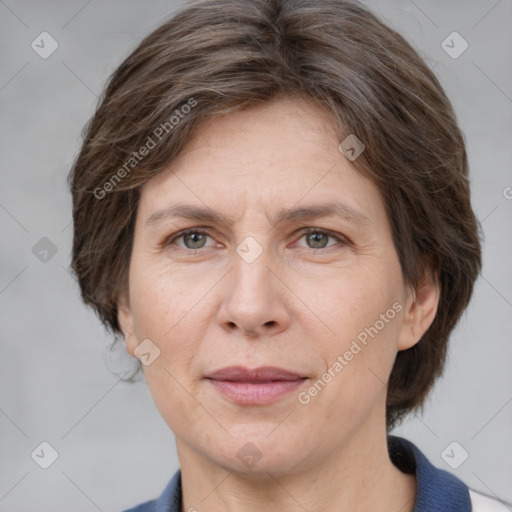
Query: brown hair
[(217, 56)]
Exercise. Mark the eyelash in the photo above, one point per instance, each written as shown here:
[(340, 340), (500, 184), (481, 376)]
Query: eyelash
[(169, 241)]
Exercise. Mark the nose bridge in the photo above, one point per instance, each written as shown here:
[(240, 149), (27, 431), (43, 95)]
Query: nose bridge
[(253, 252), (254, 300), (251, 273)]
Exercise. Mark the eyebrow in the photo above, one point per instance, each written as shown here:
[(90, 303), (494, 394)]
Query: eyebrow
[(301, 213)]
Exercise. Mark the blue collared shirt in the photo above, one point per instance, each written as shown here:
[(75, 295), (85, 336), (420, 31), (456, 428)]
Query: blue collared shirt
[(437, 489)]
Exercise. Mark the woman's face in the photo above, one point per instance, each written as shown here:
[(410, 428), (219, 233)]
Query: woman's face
[(320, 297)]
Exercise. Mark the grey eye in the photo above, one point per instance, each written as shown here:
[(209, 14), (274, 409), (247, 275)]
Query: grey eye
[(318, 239), (197, 240)]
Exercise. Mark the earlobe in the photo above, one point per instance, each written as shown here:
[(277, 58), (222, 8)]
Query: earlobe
[(420, 311), (125, 319)]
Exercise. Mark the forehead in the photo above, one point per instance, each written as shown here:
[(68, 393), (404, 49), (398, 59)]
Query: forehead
[(281, 130), (283, 153)]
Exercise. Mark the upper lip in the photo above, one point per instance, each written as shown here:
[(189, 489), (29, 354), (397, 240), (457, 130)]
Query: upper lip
[(263, 373)]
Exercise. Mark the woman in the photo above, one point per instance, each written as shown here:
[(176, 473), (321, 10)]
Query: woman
[(272, 207)]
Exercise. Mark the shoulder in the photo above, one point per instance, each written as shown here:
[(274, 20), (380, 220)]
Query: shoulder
[(168, 501), (148, 506), (482, 503), (437, 489)]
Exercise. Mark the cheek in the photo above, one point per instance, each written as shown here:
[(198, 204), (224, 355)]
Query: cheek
[(358, 314), (163, 300), (359, 355), (349, 303), (164, 312)]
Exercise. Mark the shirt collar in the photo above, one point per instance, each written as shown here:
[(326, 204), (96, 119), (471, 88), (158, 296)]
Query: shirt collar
[(437, 489)]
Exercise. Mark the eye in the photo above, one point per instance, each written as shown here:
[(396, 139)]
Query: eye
[(192, 238), (318, 238), (195, 239)]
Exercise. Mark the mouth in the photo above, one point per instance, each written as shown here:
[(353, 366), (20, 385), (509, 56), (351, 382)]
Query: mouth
[(261, 374), (257, 386)]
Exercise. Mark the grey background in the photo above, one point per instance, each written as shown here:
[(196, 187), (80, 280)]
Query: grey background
[(55, 380)]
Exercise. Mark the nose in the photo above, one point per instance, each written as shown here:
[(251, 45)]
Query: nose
[(255, 298)]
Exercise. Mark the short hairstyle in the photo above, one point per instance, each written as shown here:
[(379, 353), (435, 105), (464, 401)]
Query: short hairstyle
[(218, 56)]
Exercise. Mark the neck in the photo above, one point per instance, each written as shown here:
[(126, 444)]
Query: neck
[(358, 476)]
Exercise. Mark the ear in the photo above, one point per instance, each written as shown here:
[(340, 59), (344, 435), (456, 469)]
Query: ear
[(125, 319), (420, 310)]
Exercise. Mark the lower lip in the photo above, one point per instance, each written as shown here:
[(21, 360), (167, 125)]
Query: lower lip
[(248, 393)]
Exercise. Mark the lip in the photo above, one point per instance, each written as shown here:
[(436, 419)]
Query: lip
[(263, 373), (258, 386)]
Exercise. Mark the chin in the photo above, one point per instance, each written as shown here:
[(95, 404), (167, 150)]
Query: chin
[(258, 454)]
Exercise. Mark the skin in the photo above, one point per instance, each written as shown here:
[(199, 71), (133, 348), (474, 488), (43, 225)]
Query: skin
[(298, 306)]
